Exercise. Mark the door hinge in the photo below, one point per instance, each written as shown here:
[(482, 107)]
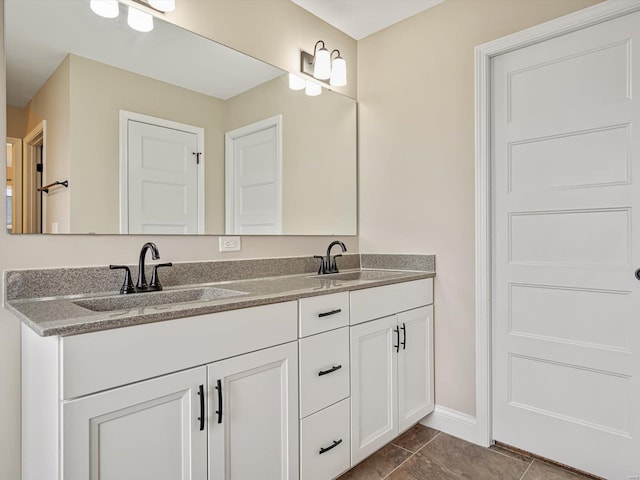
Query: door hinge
[(39, 167), (197, 154)]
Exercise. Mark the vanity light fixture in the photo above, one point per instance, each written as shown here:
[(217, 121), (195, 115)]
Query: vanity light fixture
[(137, 18), (163, 5), (296, 82), (105, 8), (312, 89), (338, 71), (322, 66)]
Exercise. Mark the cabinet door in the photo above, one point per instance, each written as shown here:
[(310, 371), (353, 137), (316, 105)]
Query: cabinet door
[(147, 430), (373, 391), (415, 366), (253, 415)]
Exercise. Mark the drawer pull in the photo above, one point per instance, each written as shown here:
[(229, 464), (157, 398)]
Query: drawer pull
[(333, 445), (201, 417), (332, 312), (331, 370), (219, 411)]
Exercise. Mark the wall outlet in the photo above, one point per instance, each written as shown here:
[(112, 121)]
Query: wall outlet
[(230, 244)]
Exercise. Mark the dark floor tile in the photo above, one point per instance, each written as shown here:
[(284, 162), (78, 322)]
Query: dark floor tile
[(510, 453), (415, 438), (543, 471), (449, 458), (378, 465)]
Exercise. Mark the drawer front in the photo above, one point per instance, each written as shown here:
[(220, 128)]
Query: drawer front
[(101, 360), (323, 313), (324, 370), (319, 432), (378, 302)]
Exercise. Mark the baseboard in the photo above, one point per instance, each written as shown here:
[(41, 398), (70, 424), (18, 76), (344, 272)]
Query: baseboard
[(454, 423)]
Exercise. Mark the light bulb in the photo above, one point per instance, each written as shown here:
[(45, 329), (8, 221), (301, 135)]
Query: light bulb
[(105, 8), (312, 89), (322, 64), (296, 82), (163, 5), (139, 20), (338, 72)]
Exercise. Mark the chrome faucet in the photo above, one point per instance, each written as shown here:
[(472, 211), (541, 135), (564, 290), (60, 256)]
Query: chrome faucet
[(329, 264)]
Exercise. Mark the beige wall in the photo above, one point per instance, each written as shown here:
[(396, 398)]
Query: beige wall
[(416, 114), (276, 41), (95, 121), (16, 122), (319, 153), (51, 103)]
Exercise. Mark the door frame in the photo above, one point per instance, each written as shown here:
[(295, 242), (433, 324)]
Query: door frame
[(229, 179), (34, 139), (125, 116), (16, 206), (481, 433)]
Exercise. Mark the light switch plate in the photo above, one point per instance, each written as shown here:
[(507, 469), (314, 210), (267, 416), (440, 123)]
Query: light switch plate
[(230, 244)]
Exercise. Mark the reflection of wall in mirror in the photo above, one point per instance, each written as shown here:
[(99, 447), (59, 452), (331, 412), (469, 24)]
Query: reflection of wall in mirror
[(319, 152), (94, 95), (51, 103)]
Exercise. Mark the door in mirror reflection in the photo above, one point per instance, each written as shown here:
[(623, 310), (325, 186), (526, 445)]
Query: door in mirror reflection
[(254, 179), (161, 176)]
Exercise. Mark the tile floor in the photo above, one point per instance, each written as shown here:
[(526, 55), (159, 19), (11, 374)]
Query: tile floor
[(422, 453)]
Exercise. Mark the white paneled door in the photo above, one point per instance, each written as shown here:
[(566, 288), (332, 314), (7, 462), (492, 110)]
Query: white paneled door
[(566, 243), (163, 180), (253, 178)]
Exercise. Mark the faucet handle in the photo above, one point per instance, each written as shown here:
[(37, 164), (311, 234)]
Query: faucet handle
[(322, 267), (127, 286), (334, 264), (155, 281)]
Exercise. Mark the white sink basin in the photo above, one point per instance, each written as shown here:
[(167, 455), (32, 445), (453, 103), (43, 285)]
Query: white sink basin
[(149, 299)]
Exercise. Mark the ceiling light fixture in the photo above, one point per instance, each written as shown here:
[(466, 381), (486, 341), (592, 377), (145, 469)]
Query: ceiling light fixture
[(323, 66), (105, 8)]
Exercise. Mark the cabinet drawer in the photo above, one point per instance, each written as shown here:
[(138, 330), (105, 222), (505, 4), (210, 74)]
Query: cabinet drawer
[(321, 383), (320, 432), (322, 313), (378, 302)]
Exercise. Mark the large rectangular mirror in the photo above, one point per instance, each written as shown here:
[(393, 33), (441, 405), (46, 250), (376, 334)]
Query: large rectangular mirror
[(110, 130)]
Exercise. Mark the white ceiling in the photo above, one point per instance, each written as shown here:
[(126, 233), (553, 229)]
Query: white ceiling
[(40, 33), (361, 18)]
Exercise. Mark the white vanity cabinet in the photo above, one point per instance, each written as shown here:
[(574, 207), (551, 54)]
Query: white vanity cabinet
[(253, 415), (391, 363), (148, 430)]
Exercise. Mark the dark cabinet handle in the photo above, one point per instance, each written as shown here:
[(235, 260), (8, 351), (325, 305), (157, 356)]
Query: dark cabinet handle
[(404, 336), (201, 417), (333, 445), (332, 312), (397, 345), (219, 411), (331, 370)]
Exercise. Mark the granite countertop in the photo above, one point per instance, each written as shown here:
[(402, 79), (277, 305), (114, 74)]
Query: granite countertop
[(63, 315)]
